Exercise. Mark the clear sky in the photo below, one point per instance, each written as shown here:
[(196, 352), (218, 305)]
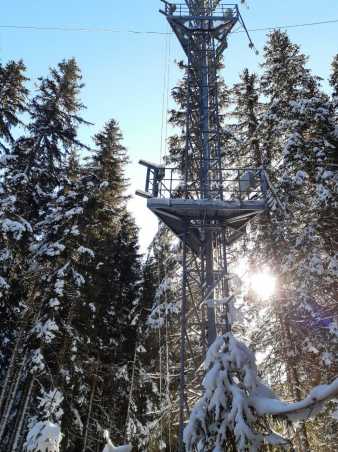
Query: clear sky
[(123, 72)]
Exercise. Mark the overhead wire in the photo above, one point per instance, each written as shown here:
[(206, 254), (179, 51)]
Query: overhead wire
[(165, 97), (164, 88), (80, 29), (150, 32), (168, 97)]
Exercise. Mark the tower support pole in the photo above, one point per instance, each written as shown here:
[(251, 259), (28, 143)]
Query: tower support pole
[(205, 184), (183, 340), (209, 273)]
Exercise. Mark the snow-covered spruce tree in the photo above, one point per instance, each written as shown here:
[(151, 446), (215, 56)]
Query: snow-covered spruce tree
[(225, 417), (15, 232), (285, 78), (285, 81), (40, 160), (60, 334), (334, 77), (247, 110), (188, 98), (111, 289), (163, 330), (281, 241), (13, 97), (146, 398), (236, 408), (310, 183)]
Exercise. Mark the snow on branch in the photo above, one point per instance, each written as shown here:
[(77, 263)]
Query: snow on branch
[(111, 448), (235, 400), (44, 437), (297, 411)]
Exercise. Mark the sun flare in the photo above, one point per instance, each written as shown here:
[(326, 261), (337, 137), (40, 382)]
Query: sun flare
[(263, 284)]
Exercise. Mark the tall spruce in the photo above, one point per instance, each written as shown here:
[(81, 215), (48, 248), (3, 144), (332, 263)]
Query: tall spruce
[(285, 78), (334, 76), (112, 290), (247, 110), (34, 182), (288, 86), (13, 99)]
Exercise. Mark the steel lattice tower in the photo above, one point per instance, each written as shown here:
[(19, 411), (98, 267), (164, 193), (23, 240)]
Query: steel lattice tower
[(207, 205)]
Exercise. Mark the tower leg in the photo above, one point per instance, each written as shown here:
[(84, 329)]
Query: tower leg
[(209, 270), (183, 340)]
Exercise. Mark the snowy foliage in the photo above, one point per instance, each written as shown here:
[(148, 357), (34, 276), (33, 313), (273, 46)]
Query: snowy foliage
[(109, 447), (44, 437), (225, 415)]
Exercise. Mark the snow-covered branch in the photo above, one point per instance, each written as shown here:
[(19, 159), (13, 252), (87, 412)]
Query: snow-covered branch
[(301, 410)]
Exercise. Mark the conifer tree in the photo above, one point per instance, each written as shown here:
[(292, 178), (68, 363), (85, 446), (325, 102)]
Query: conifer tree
[(289, 87), (185, 96), (112, 288), (34, 183), (310, 181), (14, 239), (334, 76), (163, 321), (247, 114), (285, 78), (13, 98)]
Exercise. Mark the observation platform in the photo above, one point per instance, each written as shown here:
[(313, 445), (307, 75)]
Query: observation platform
[(236, 196), (190, 22), (179, 214)]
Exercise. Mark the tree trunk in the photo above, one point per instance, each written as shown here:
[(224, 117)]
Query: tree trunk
[(301, 435), (22, 417), (9, 373), (11, 398), (90, 407)]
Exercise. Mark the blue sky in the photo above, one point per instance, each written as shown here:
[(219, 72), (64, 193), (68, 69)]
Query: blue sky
[(123, 72)]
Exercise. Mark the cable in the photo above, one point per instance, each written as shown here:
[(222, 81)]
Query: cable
[(309, 24), (165, 98), (140, 32), (80, 29), (167, 101)]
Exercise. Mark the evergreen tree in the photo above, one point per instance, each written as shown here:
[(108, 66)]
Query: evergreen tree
[(13, 98), (163, 320), (186, 98), (285, 78), (289, 87), (334, 76), (310, 184), (112, 289), (33, 182), (110, 160), (247, 113)]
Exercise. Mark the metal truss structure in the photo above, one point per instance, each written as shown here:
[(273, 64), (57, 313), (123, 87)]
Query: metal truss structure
[(204, 203)]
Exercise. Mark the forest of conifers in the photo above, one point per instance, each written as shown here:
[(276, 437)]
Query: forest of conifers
[(89, 327)]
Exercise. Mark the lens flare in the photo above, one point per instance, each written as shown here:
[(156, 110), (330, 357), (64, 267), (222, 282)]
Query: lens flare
[(263, 284)]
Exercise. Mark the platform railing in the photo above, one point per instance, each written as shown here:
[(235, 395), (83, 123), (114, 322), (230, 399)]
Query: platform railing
[(226, 183), (224, 10)]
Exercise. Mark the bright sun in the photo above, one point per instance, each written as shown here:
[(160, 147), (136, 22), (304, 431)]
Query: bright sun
[(263, 284)]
